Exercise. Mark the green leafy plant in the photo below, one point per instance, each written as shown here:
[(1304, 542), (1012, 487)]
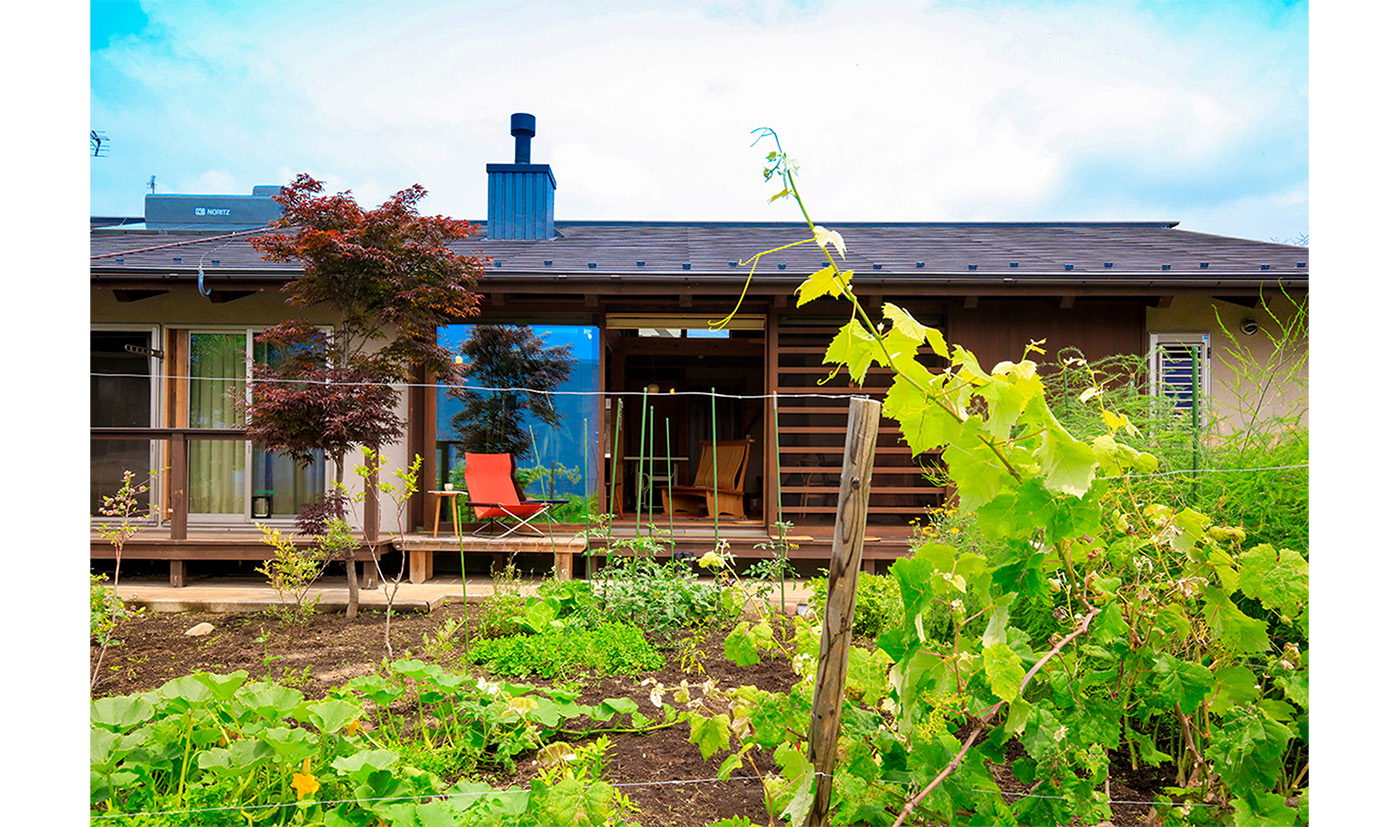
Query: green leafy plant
[(399, 491), (245, 751), (877, 606), (119, 519), (446, 644), (292, 570), (1144, 644), (501, 611), (106, 610), (660, 595), (608, 649)]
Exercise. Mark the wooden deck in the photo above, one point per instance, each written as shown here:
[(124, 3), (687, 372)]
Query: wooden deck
[(747, 540)]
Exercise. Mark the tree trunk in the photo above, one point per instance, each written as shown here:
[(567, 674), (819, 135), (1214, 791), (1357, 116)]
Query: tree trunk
[(351, 576)]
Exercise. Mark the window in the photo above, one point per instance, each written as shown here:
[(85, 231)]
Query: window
[(123, 365), (1180, 368), (569, 450), (220, 483)]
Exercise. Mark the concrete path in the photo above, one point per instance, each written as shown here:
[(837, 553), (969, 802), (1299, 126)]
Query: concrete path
[(230, 594)]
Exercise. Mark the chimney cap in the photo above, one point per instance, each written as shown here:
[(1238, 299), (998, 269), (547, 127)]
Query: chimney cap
[(522, 123)]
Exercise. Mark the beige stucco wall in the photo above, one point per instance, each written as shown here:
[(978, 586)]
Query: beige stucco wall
[(188, 309), (1249, 376)]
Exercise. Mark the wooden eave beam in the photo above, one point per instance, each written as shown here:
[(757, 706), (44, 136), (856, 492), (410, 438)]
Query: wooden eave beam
[(226, 296), (125, 296)]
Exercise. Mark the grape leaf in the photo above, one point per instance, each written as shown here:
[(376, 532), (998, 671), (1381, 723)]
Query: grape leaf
[(904, 322), (1181, 682), (854, 347), (1277, 579), (709, 734), (1003, 670), (741, 646), (823, 282)]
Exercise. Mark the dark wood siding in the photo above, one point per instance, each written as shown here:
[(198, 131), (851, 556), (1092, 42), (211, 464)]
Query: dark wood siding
[(998, 329)]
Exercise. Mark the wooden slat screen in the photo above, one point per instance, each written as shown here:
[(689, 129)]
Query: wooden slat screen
[(811, 430)]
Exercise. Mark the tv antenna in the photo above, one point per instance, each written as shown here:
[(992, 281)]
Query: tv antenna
[(98, 140)]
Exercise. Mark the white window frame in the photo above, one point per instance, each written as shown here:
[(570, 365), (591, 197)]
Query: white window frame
[(1168, 357), (249, 334)]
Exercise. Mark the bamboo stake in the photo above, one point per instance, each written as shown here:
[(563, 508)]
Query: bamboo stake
[(781, 526), (640, 459), (714, 456), (852, 507), (669, 472)]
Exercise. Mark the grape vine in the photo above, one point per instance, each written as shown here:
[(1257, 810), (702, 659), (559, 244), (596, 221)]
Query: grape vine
[(1094, 624)]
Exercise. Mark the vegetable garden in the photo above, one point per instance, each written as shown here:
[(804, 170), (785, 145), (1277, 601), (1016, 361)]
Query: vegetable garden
[(1099, 612)]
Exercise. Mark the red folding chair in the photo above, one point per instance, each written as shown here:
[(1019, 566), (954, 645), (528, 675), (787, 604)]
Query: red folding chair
[(496, 496)]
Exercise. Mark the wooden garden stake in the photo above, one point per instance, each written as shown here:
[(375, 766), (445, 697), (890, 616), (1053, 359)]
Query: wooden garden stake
[(851, 511)]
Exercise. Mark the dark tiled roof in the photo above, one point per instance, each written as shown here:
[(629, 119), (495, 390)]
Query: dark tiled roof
[(673, 248)]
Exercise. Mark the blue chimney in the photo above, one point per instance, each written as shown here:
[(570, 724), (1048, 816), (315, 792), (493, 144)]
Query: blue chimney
[(520, 196)]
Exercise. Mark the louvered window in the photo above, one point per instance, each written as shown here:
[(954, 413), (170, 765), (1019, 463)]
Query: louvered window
[(1180, 367)]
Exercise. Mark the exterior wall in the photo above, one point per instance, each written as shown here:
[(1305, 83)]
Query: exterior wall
[(1248, 376), (999, 329), (186, 309)]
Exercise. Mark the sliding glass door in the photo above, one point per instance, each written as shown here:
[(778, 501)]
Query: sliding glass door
[(232, 480)]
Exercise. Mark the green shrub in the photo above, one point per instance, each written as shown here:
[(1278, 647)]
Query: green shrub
[(106, 610), (660, 595), (877, 606), (575, 601), (501, 612), (609, 649)]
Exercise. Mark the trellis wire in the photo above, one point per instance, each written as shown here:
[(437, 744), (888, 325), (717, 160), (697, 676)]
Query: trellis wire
[(628, 784)]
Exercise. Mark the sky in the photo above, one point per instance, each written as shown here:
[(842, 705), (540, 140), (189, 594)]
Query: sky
[(1194, 112)]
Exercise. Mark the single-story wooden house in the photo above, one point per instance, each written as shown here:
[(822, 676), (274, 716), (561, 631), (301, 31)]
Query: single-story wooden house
[(178, 295)]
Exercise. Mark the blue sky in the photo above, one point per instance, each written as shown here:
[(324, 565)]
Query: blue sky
[(1188, 111)]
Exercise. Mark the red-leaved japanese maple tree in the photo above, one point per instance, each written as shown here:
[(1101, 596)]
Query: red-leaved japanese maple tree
[(390, 277)]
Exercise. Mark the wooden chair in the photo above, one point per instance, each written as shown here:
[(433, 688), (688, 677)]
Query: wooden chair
[(706, 496)]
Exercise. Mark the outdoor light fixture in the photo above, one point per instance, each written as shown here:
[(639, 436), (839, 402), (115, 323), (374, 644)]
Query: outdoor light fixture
[(1248, 326)]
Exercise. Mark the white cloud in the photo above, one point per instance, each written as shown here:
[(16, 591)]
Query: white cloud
[(897, 111)]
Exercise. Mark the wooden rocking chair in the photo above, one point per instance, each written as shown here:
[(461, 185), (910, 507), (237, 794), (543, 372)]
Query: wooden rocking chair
[(705, 496)]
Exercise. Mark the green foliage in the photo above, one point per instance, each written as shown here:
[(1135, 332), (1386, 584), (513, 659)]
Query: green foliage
[(120, 517), (1085, 614), (1211, 469), (517, 369), (500, 613), (293, 570), (105, 610), (255, 750), (447, 643), (877, 606), (608, 649), (660, 595)]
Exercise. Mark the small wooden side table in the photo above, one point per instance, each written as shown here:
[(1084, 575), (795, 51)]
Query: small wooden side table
[(450, 496)]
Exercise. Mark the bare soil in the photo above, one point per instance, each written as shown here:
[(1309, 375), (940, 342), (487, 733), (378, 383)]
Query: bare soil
[(330, 651)]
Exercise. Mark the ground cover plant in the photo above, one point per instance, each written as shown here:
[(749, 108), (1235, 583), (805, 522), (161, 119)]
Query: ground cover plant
[(322, 659), (221, 748)]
